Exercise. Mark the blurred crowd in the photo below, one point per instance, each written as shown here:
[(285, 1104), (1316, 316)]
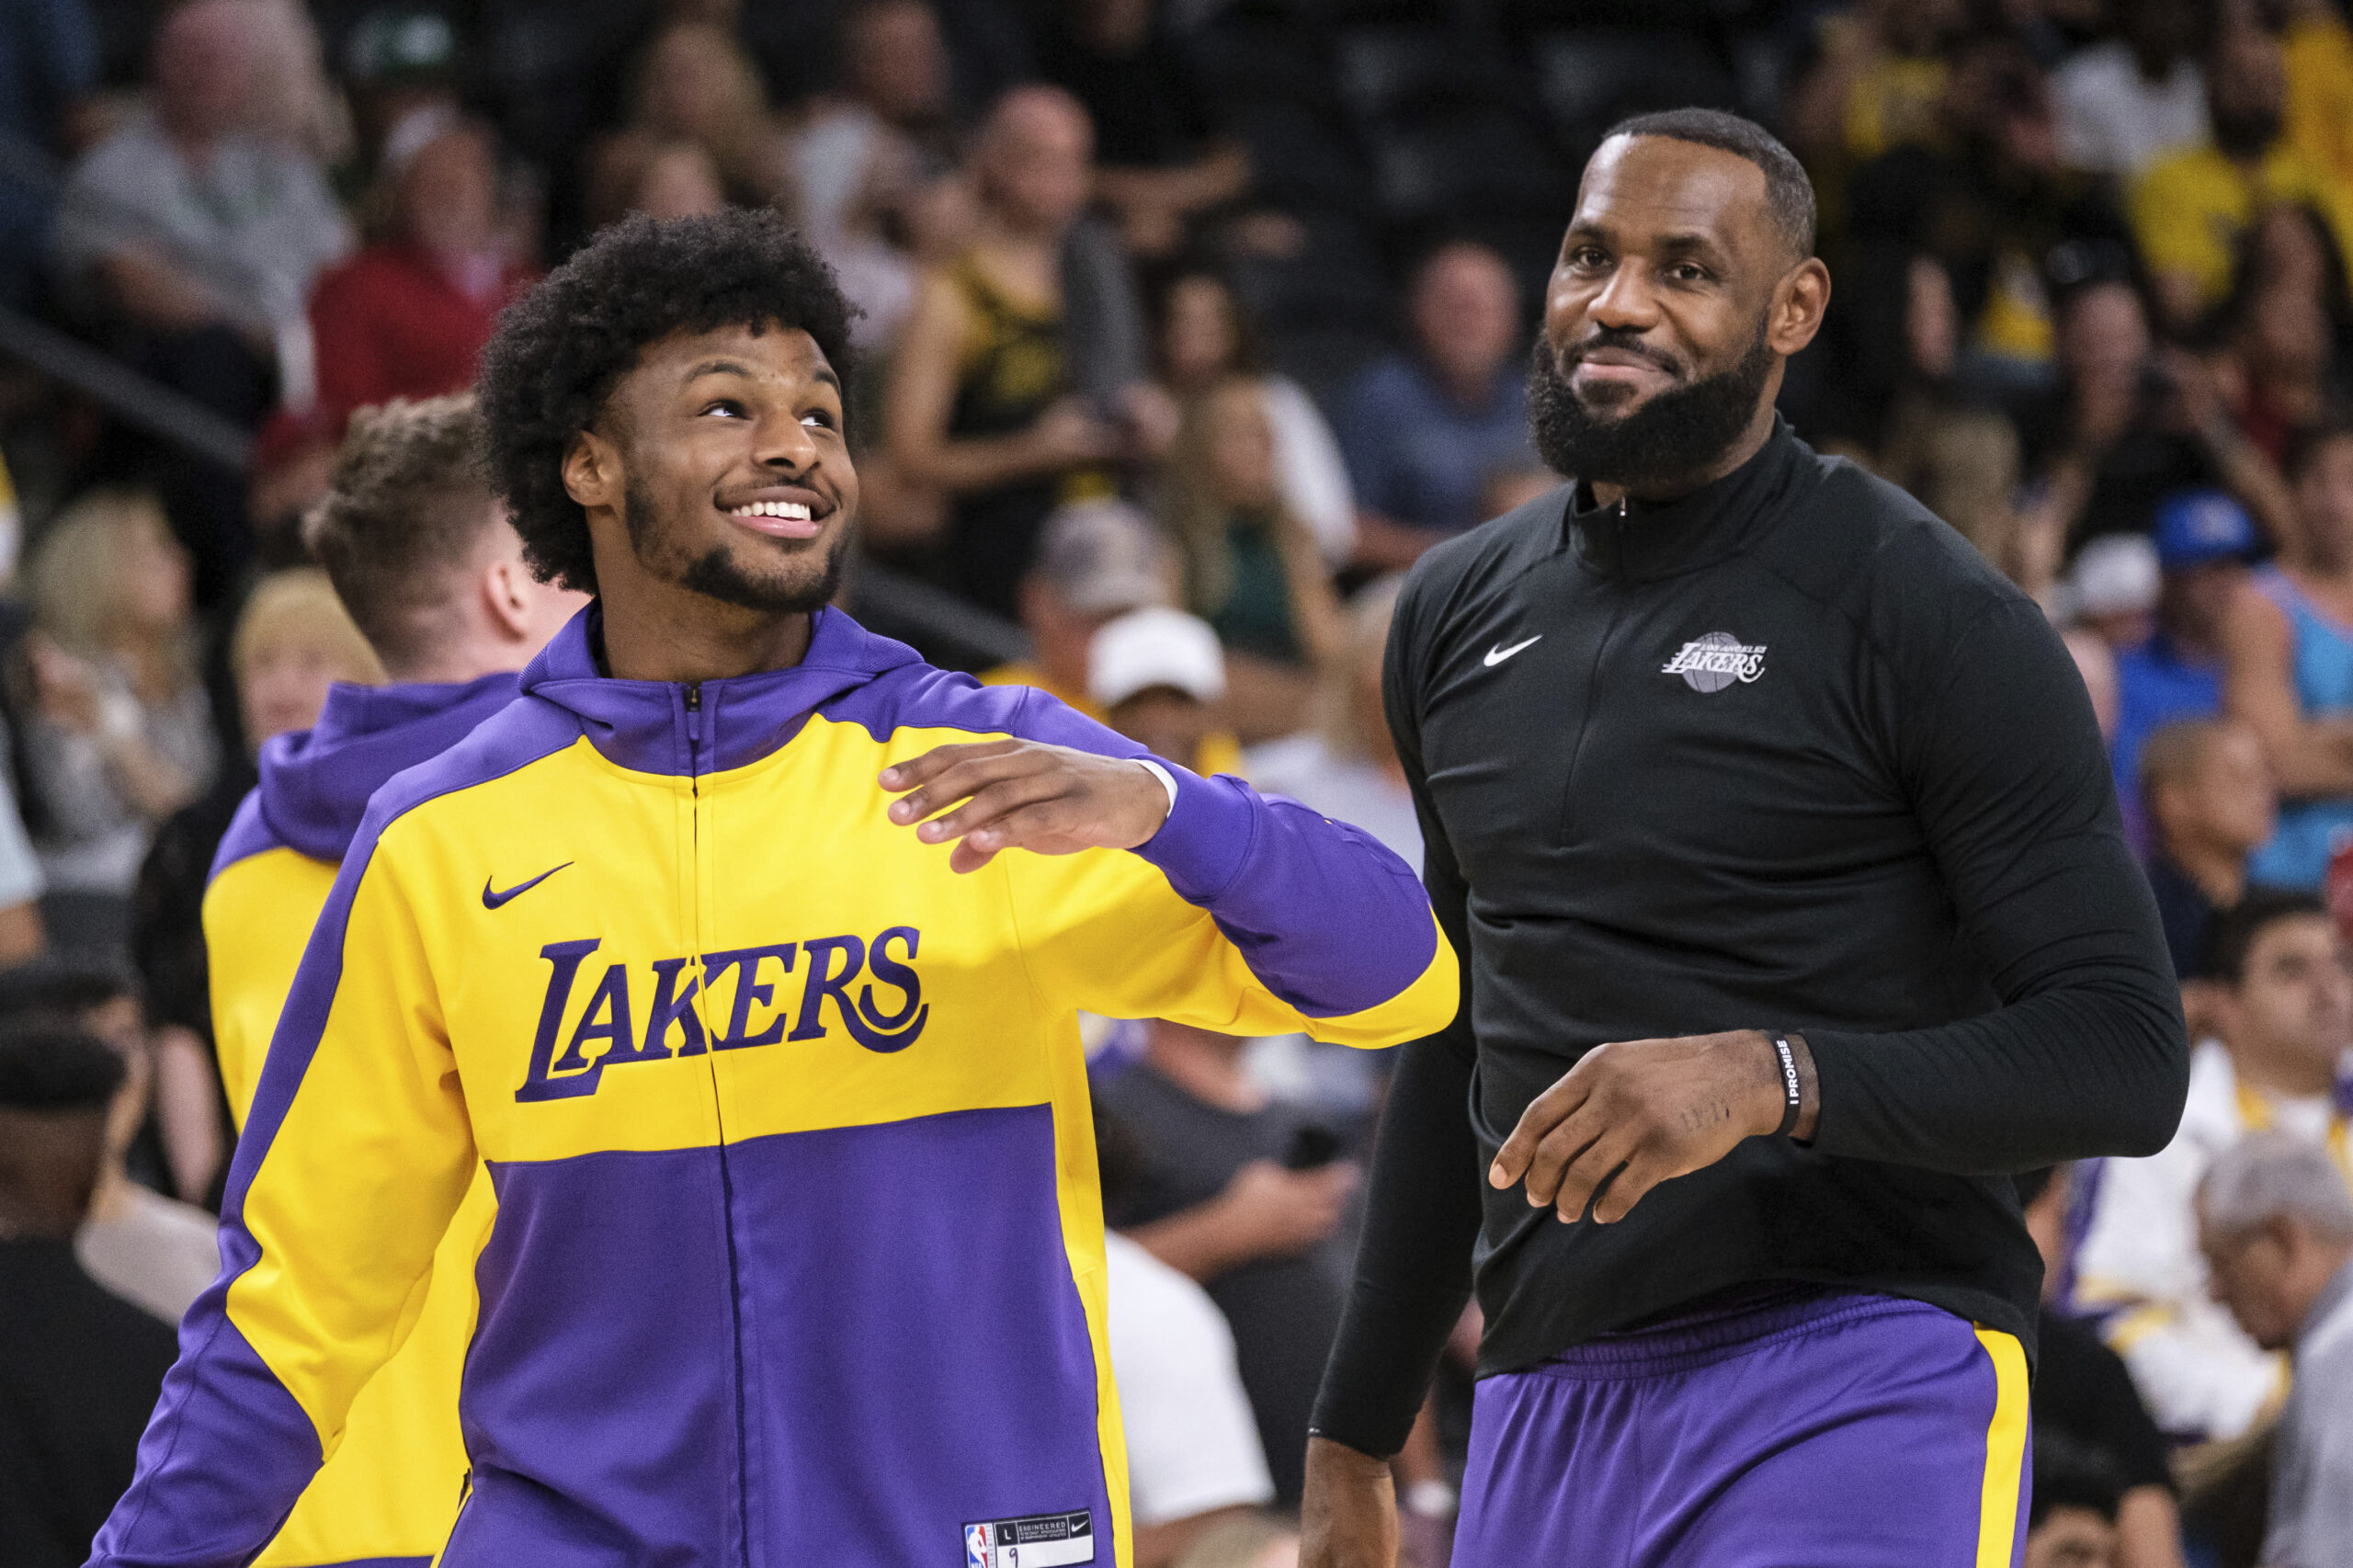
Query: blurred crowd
[(1187, 326)]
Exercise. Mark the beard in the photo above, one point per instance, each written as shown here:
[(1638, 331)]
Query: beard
[(716, 574), (1680, 432)]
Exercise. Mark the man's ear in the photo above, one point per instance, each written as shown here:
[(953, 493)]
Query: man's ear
[(592, 471), (1798, 301), (506, 585)]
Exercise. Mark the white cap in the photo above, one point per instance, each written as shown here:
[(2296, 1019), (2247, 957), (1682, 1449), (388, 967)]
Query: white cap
[(1154, 646), (2117, 574)]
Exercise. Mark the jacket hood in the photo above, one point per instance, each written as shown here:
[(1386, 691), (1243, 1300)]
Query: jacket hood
[(650, 726), (316, 783)]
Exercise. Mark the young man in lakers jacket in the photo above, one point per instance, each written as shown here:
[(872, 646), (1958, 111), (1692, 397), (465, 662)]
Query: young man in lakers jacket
[(421, 553), (798, 1255)]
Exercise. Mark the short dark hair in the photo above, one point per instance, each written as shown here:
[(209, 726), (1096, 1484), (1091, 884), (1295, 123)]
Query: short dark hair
[(53, 1067), (2237, 929), (1789, 193), (560, 350), (2072, 1474), (54, 987), (408, 500)]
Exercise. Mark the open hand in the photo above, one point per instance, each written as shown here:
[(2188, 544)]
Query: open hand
[(1024, 795), (1631, 1115)]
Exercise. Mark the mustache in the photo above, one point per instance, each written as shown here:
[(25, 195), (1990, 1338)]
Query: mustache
[(1625, 342)]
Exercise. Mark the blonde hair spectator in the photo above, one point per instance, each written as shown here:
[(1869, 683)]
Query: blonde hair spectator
[(696, 84), (294, 640)]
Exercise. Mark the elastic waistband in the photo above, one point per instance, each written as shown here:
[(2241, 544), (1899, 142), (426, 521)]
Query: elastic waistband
[(1722, 1330)]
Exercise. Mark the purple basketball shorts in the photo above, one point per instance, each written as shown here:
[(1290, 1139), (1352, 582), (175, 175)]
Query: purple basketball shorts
[(1803, 1429)]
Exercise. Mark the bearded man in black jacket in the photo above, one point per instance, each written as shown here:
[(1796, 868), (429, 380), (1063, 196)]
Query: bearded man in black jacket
[(1777, 838)]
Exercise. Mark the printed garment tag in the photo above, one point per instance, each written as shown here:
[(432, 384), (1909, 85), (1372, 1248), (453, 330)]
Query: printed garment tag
[(1035, 1540)]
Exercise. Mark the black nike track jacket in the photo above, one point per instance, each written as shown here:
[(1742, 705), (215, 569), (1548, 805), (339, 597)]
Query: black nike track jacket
[(1785, 754)]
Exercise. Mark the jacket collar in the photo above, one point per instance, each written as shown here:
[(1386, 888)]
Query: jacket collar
[(1717, 520), (315, 782), (651, 726)]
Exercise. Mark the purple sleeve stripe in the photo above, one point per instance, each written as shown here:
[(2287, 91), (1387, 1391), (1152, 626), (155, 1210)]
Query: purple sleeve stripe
[(1327, 918)]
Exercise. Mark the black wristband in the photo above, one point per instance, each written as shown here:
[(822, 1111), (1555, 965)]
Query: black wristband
[(1792, 1094)]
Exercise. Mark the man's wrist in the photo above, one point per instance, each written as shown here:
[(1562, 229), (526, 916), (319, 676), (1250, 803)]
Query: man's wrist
[(1790, 1104)]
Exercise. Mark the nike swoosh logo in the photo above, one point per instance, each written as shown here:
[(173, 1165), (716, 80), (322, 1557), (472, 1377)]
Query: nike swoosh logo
[(491, 900), (1497, 655)]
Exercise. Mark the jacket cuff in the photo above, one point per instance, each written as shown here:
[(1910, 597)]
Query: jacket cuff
[(1206, 841)]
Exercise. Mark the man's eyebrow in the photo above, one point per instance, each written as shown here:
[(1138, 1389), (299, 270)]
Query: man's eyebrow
[(823, 373)]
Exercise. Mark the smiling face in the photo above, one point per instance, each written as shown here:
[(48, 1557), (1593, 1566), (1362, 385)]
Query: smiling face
[(1675, 299), (720, 468)]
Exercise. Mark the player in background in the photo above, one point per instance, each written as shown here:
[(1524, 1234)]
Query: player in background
[(798, 1250), (1779, 846), (422, 555)]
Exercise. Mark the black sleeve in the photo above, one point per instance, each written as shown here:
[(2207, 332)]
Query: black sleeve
[(2087, 1055), (1421, 1212)]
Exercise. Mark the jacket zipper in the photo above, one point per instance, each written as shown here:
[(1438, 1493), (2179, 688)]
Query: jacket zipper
[(718, 1115)]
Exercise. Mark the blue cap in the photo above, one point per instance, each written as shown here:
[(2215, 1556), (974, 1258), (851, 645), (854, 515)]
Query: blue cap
[(2194, 527)]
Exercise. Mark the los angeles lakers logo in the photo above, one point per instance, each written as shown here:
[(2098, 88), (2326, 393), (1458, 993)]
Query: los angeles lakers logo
[(1714, 662)]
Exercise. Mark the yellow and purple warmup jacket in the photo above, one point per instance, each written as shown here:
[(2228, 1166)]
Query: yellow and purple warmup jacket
[(798, 1254), (388, 1494)]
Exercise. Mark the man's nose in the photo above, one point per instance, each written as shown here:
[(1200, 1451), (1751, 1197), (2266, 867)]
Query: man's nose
[(786, 443), (1625, 302)]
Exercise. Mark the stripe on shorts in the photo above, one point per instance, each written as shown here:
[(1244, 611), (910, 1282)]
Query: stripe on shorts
[(2005, 1450)]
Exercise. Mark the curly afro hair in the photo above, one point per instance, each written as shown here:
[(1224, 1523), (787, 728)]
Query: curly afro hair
[(560, 350)]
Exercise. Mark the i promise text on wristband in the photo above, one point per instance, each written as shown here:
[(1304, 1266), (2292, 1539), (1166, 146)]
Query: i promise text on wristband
[(1792, 1095)]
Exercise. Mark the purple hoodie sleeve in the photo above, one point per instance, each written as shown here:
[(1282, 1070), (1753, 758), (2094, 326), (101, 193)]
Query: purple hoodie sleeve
[(1327, 918)]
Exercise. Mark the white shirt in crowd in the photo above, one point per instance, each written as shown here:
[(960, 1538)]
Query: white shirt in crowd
[(2113, 121), (1192, 1442), (2140, 1264), (1308, 465), (1346, 789), (154, 1251)]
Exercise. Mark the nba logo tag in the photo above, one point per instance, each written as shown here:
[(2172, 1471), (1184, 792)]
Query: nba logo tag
[(978, 1548)]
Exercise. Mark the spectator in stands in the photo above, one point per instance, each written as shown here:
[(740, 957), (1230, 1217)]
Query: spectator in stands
[(879, 193), (1875, 79), (2087, 1413), (2204, 541), (1161, 163), (698, 85), (294, 640), (1422, 430), (49, 64), (199, 234), (2205, 793), (2127, 100), (80, 1367), (1018, 383), (1345, 765), (2283, 1000), (2100, 447), (1193, 1454), (2288, 663), (1958, 457), (2290, 247), (2189, 208), (1159, 677), (1097, 561), (2117, 584), (2276, 1225), (153, 1251), (408, 315), (676, 180), (1203, 337), (402, 66), (2316, 50), (1251, 568), (1246, 1195), (119, 734), (1989, 199), (2072, 1516)]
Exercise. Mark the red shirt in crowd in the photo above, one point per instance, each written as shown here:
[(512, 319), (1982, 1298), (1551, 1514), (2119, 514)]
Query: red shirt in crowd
[(394, 321)]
